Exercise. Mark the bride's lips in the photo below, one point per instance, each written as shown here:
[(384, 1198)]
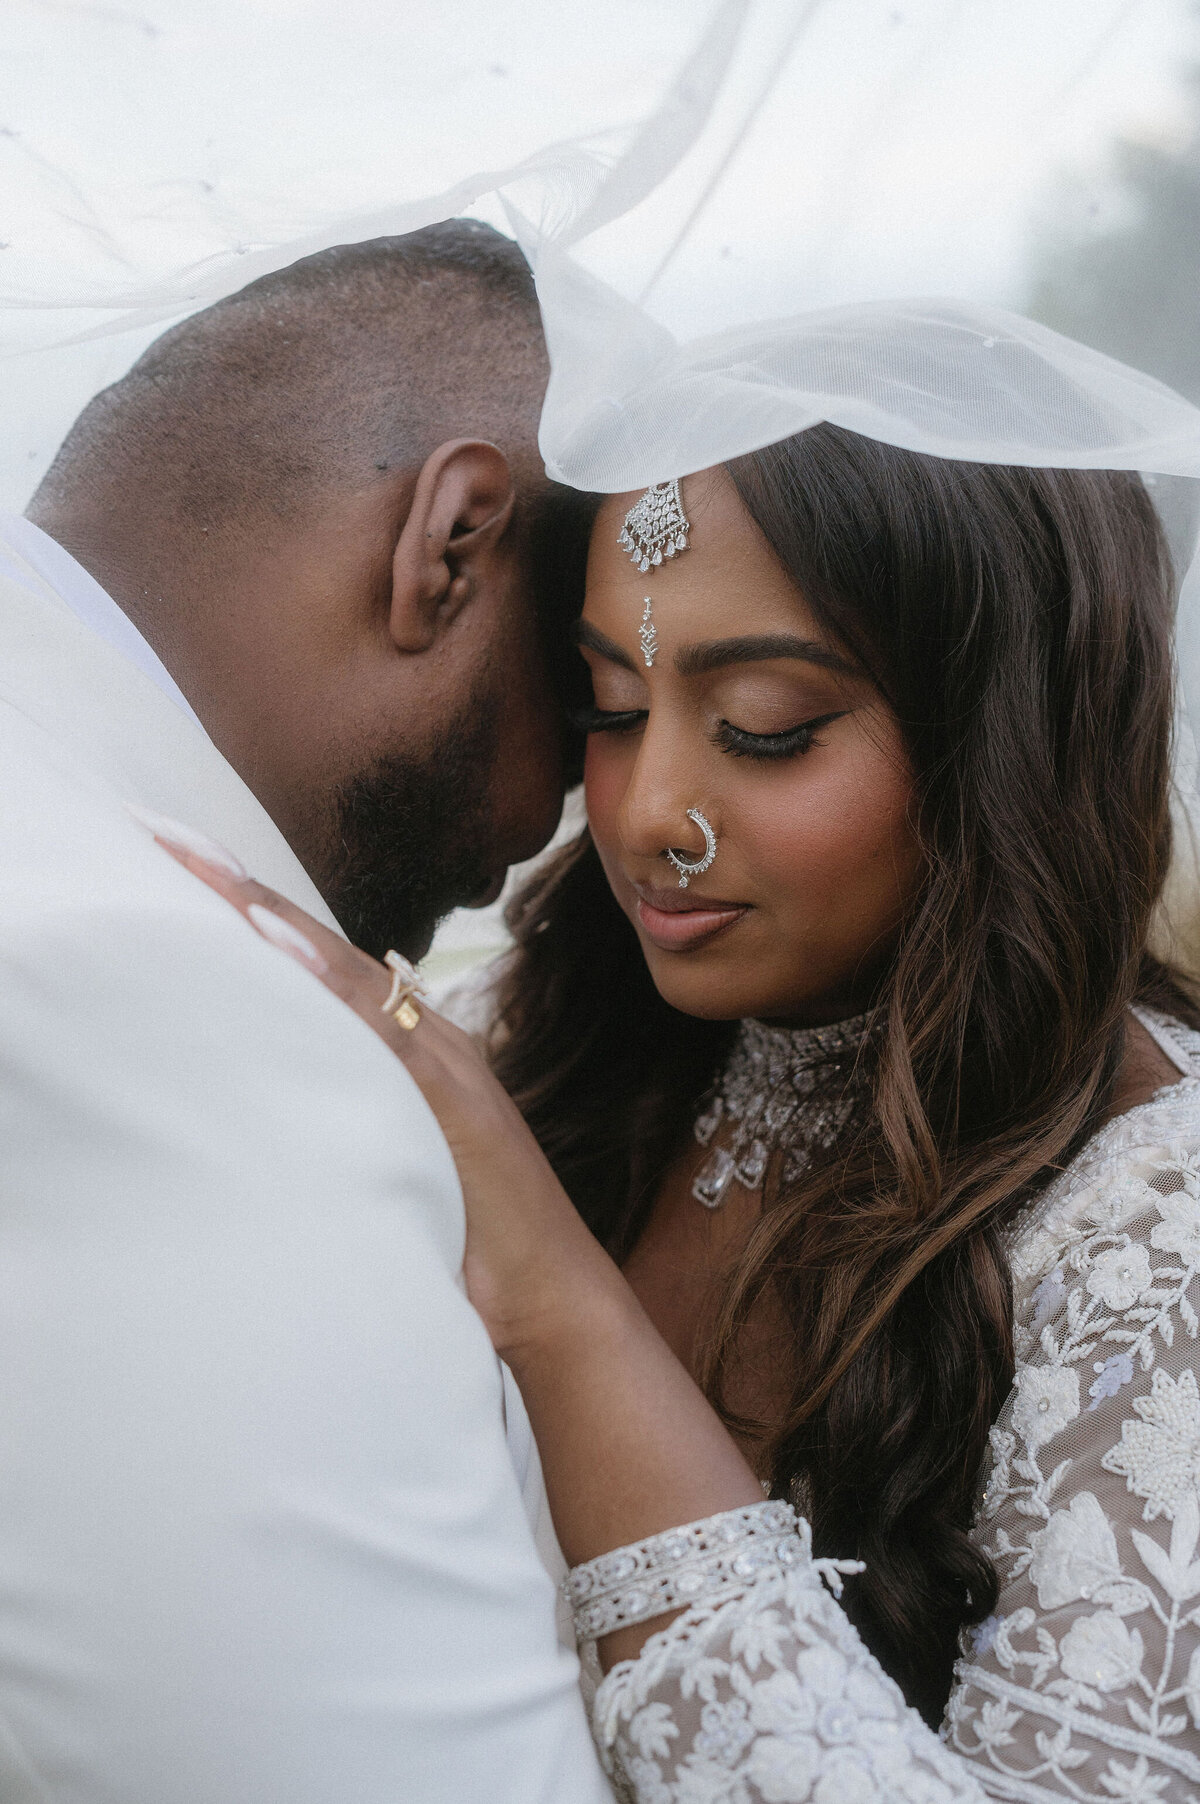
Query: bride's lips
[(675, 920)]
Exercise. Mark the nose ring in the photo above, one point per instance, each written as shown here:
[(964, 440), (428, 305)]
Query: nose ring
[(689, 867)]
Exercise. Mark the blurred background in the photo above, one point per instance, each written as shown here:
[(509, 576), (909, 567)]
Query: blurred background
[(1037, 155)]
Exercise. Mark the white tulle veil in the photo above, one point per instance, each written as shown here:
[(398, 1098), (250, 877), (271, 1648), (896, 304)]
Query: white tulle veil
[(743, 218)]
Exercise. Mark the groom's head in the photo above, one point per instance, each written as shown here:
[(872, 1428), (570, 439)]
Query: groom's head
[(321, 501)]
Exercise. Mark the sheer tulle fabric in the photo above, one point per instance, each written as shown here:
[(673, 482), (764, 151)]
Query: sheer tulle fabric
[(155, 157), (743, 218)]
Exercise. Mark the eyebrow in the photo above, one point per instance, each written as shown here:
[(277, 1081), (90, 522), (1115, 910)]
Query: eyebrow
[(595, 640), (715, 654)]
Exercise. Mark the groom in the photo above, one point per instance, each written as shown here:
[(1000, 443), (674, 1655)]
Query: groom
[(290, 586)]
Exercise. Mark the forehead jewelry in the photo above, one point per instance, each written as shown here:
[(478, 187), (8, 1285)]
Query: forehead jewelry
[(648, 634), (656, 525), (688, 866)]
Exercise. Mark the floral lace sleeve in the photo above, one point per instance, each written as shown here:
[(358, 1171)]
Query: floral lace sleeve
[(1085, 1684)]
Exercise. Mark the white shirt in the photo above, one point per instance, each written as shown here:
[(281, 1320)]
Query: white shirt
[(261, 1539), (25, 549), (26, 552)]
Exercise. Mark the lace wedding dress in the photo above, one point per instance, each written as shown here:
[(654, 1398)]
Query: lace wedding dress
[(1085, 1683)]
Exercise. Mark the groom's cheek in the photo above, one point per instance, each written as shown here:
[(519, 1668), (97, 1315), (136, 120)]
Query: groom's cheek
[(527, 779)]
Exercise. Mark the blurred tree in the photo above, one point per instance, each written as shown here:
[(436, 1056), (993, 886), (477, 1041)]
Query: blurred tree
[(1118, 265)]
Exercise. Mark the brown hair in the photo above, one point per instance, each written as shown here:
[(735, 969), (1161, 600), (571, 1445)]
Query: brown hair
[(1018, 622)]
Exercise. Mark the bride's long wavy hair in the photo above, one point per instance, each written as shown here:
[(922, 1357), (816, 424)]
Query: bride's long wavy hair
[(1019, 622)]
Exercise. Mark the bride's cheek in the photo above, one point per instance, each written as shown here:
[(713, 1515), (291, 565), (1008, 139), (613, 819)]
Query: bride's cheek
[(837, 846), (605, 779)]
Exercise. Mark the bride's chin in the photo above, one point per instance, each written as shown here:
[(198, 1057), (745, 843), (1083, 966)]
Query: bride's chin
[(705, 984)]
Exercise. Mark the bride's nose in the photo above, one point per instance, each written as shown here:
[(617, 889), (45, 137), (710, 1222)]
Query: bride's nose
[(662, 787)]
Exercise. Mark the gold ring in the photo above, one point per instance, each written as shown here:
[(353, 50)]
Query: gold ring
[(405, 981), (405, 985)]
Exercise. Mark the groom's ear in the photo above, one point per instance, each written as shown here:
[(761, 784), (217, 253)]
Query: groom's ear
[(461, 506)]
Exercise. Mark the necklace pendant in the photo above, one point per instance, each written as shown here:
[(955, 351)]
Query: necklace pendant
[(751, 1168), (786, 1091), (712, 1181), (707, 1124)]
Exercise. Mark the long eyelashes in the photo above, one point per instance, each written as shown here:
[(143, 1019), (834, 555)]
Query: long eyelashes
[(738, 743), (789, 744), (607, 720)]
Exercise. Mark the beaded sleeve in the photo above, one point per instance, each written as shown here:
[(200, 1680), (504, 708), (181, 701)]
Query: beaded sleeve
[(720, 1557), (1085, 1684)]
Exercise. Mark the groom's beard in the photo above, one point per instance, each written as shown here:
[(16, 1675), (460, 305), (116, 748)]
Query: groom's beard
[(415, 837)]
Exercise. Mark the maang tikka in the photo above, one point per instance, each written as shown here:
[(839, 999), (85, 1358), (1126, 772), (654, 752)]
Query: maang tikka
[(648, 635), (655, 527)]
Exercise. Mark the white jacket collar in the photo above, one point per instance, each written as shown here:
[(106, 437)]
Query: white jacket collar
[(26, 549), (76, 676)]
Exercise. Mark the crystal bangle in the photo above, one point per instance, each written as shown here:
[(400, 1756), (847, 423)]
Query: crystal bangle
[(699, 1563)]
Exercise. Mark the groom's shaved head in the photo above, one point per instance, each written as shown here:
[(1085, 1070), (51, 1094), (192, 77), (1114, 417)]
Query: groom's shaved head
[(352, 362), (321, 501)]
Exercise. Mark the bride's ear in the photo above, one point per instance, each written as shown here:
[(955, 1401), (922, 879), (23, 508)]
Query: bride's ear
[(461, 507)]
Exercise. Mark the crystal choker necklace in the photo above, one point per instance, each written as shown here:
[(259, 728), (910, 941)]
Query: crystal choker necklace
[(794, 1088)]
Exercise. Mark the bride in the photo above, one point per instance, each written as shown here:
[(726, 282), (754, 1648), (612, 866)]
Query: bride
[(833, 1172)]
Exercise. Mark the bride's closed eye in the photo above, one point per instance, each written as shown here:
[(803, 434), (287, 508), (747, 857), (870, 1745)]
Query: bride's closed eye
[(607, 720), (792, 742)]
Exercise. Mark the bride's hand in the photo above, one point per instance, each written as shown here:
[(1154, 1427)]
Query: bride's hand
[(629, 1445), (530, 1263)]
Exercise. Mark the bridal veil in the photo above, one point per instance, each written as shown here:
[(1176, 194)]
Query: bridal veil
[(928, 221)]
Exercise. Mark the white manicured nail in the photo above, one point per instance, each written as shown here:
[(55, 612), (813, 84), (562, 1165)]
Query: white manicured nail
[(188, 840), (281, 933)]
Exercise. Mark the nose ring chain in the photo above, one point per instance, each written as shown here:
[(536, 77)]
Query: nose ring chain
[(688, 866)]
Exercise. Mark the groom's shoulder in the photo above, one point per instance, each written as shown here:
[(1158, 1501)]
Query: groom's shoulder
[(132, 996), (74, 863), (62, 822)]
